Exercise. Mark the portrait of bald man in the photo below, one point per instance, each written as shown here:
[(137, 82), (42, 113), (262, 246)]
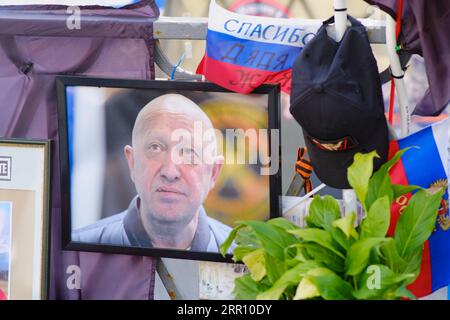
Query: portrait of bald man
[(172, 181)]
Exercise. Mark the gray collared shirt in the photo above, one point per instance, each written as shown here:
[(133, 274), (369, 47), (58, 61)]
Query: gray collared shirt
[(126, 229)]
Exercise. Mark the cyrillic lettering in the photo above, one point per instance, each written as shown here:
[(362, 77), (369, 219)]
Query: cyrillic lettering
[(294, 37), (280, 34), (236, 49), (281, 62), (265, 65), (257, 30), (241, 75), (265, 30), (283, 78), (252, 80), (307, 37), (226, 25), (242, 26), (252, 57), (246, 79)]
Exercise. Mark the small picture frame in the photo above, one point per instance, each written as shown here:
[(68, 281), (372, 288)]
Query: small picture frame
[(24, 218), (165, 168)]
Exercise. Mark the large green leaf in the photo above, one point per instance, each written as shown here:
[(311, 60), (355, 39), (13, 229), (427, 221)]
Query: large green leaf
[(380, 183), (377, 280), (322, 212), (376, 223), (414, 262), (324, 256), (376, 257), (318, 236), (274, 267), (392, 257), (255, 264), (339, 237), (384, 169), (417, 222), (289, 278), (240, 252), (333, 287), (245, 288), (273, 239), (327, 284), (306, 290), (347, 225), (295, 254), (283, 223), (229, 240), (400, 190), (359, 173), (246, 237), (359, 254)]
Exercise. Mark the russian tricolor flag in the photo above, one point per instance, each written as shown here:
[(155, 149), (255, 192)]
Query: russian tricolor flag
[(243, 51), (426, 166)]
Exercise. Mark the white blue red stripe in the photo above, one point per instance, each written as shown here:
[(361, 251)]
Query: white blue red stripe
[(243, 51), (426, 164)]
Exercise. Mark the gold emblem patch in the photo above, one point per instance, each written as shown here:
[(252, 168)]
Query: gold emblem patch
[(443, 218)]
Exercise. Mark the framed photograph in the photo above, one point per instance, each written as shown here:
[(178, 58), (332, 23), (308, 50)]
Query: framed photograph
[(24, 219), (165, 168)]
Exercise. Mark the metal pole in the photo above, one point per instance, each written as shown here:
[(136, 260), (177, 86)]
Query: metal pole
[(398, 73)]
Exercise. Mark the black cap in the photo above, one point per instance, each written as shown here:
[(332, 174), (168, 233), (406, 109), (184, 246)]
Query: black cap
[(336, 98)]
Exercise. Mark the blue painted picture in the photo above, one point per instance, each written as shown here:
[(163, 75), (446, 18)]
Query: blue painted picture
[(5, 243)]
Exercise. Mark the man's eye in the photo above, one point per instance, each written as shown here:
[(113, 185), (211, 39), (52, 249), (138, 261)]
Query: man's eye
[(155, 147)]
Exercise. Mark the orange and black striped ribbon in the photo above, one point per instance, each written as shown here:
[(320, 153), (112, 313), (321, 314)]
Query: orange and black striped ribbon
[(304, 168)]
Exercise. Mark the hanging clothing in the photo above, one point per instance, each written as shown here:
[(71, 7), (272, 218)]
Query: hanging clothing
[(424, 31)]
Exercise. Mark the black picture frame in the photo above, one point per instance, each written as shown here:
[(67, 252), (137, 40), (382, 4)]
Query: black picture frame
[(62, 82), (42, 190)]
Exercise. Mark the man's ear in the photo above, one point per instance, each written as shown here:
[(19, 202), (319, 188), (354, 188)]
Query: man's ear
[(216, 169), (128, 151)]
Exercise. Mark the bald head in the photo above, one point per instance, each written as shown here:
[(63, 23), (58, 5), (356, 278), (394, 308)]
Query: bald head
[(173, 105), (172, 185)]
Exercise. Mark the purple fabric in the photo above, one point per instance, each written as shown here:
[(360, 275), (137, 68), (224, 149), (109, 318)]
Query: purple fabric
[(425, 31), (33, 49), (116, 276)]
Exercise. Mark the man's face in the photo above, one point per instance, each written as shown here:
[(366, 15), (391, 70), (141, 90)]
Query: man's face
[(170, 191)]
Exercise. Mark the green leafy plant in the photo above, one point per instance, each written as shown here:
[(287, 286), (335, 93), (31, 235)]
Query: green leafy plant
[(331, 258)]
